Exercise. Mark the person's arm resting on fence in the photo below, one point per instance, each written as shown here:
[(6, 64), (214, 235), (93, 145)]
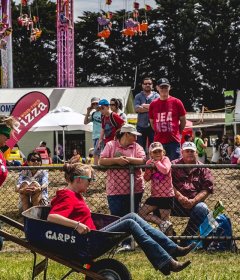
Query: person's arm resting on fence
[(114, 161)]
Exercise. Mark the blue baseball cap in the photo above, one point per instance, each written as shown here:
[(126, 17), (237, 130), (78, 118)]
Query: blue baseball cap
[(103, 102)]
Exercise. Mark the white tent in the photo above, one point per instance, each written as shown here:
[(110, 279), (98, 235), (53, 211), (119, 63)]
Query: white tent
[(62, 119)]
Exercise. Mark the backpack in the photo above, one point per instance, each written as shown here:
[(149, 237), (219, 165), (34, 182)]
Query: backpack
[(224, 229), (112, 120)]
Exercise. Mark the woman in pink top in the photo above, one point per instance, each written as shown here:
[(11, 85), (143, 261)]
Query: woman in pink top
[(162, 192)]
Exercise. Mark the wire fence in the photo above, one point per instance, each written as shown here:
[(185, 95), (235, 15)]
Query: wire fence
[(120, 190)]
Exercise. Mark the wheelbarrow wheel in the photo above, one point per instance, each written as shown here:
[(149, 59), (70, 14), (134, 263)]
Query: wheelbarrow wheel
[(111, 269)]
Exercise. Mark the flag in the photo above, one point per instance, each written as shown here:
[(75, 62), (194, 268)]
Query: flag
[(27, 111), (209, 224), (148, 8), (108, 2), (229, 106)]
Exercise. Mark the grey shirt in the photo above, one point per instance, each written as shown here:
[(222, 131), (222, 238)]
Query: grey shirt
[(140, 98)]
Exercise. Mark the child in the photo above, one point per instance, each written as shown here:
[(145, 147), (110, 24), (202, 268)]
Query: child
[(162, 192)]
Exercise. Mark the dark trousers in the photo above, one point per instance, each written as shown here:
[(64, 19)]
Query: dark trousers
[(147, 134)]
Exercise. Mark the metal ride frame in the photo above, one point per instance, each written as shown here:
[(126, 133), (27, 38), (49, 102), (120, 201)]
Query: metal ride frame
[(65, 46)]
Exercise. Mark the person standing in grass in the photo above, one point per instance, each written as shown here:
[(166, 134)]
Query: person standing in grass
[(162, 192), (96, 118), (6, 126), (122, 152)]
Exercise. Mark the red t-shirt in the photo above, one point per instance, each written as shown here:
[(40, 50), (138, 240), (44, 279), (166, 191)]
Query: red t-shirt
[(165, 115), (71, 205), (109, 128), (3, 169)]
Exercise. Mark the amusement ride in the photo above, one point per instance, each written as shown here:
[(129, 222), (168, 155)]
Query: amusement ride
[(29, 19)]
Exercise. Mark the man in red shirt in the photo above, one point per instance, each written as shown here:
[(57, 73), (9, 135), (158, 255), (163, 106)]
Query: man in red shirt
[(167, 117), (111, 122)]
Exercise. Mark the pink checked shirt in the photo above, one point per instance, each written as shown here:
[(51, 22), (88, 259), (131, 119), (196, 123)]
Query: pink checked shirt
[(161, 178), (118, 180)]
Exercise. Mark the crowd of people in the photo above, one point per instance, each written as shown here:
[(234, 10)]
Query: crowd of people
[(155, 141)]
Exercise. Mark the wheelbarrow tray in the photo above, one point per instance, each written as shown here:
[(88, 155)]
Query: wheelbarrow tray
[(66, 241)]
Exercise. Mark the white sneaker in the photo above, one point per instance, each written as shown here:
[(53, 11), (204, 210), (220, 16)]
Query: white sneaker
[(124, 248), (165, 226)]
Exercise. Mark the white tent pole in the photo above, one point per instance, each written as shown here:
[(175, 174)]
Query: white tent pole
[(64, 155), (56, 149)]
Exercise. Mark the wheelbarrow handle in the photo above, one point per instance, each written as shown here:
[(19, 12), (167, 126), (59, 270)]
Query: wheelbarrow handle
[(11, 222)]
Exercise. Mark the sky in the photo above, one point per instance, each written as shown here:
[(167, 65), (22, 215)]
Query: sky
[(93, 5)]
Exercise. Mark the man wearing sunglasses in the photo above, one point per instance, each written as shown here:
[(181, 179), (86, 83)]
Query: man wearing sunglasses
[(141, 104), (168, 118), (32, 184)]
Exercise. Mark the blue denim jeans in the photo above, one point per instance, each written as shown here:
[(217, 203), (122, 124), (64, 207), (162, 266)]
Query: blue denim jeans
[(147, 133), (173, 150), (155, 244), (196, 216), (119, 205)]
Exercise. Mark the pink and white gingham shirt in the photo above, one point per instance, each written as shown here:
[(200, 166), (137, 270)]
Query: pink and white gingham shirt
[(118, 180)]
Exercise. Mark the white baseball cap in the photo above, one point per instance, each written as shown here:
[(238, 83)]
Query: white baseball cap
[(155, 146), (189, 146), (130, 129)]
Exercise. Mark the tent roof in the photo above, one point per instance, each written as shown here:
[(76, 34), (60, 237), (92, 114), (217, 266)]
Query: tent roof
[(76, 98)]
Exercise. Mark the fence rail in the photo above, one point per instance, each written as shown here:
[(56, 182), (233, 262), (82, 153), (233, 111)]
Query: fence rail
[(226, 189)]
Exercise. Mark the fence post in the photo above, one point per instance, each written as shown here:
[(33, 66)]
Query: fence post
[(132, 202)]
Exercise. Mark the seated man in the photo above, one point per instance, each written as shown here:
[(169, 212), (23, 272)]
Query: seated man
[(32, 184), (192, 187)]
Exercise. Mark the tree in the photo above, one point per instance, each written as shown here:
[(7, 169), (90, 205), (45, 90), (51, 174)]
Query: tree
[(35, 63)]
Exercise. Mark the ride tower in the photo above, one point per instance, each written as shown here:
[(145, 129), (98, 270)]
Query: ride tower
[(65, 44), (6, 64)]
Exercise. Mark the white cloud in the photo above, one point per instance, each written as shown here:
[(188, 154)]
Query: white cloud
[(93, 5)]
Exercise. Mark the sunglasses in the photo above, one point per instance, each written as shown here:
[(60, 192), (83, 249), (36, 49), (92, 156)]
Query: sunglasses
[(112, 104), (90, 179), (95, 103), (102, 107), (145, 84), (35, 160)]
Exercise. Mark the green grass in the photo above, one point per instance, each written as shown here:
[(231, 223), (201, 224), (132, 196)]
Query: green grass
[(205, 266)]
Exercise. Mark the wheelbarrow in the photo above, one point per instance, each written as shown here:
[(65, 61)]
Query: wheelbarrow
[(79, 252)]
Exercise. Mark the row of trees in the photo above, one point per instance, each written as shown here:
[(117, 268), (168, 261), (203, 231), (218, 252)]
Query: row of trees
[(193, 43)]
